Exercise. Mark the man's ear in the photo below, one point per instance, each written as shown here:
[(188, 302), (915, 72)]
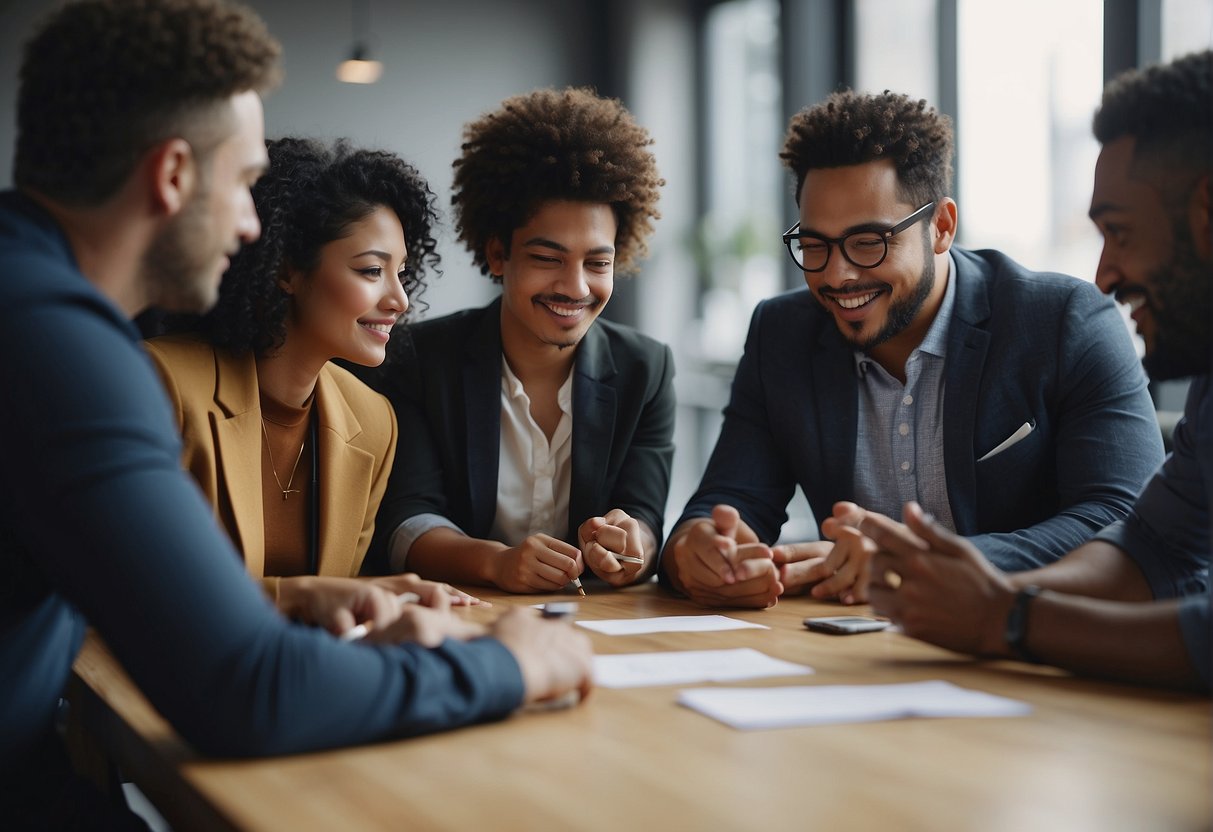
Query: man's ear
[(173, 172), (1198, 218), (944, 224), (495, 255)]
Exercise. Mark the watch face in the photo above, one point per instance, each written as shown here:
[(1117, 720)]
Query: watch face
[(1016, 630)]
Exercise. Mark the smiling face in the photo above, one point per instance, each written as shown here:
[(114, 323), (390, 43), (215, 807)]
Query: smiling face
[(1149, 261), (347, 305), (557, 276), (894, 303)]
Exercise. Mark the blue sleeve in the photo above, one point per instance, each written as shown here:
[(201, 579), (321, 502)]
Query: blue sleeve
[(1196, 626), (1167, 532), (1106, 439), (115, 526)]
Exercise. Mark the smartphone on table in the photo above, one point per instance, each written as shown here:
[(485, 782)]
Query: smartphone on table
[(845, 625)]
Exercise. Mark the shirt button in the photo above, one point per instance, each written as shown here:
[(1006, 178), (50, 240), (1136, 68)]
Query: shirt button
[(903, 429), (905, 466), (908, 400)]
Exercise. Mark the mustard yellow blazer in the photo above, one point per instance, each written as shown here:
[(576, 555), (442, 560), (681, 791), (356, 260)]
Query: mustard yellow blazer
[(219, 416)]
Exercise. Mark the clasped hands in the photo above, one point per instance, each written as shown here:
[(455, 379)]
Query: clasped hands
[(721, 562), (612, 546)]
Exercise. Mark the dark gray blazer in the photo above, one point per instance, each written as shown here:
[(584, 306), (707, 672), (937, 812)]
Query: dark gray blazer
[(447, 393), (1022, 346)]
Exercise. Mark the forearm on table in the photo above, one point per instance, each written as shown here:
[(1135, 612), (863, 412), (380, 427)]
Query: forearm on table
[(444, 554), (1096, 569), (1133, 642)]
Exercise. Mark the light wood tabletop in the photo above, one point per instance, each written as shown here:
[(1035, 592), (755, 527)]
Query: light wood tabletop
[(1091, 756)]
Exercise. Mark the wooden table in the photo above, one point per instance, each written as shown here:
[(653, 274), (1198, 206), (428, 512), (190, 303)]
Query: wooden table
[(1092, 756)]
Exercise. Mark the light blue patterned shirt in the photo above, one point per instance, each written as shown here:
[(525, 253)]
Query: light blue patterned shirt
[(899, 438)]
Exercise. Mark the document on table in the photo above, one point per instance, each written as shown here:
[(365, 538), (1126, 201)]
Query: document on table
[(668, 624), (753, 708), (628, 670)]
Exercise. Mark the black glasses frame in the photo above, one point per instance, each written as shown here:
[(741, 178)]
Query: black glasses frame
[(793, 234)]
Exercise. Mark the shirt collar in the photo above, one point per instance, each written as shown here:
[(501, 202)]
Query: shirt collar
[(512, 387), (936, 340)]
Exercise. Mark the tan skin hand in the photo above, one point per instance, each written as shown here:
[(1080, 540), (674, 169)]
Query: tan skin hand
[(426, 626), (936, 585), (541, 563), (617, 533), (553, 657), (836, 568), (721, 563), (432, 593), (336, 604)]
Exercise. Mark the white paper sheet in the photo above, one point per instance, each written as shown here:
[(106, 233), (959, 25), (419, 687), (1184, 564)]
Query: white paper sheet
[(668, 624), (629, 670), (753, 708)]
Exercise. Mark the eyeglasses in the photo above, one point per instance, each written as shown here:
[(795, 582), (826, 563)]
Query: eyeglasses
[(866, 249)]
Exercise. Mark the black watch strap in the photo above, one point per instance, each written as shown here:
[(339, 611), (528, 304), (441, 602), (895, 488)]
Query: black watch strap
[(1016, 630)]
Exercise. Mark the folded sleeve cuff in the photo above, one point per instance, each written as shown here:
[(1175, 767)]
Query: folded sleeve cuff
[(406, 535)]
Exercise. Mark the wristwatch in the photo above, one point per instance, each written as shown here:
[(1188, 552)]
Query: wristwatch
[(1016, 631)]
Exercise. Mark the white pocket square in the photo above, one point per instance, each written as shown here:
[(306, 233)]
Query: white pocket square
[(1020, 434)]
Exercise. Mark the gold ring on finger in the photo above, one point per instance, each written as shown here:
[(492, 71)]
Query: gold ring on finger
[(892, 579)]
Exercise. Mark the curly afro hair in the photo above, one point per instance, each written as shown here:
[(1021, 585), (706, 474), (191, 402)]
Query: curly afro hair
[(851, 128), (104, 80), (1168, 110), (309, 196), (548, 145)]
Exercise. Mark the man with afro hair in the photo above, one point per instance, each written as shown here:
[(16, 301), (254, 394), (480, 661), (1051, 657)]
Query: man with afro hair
[(1009, 403), (540, 438)]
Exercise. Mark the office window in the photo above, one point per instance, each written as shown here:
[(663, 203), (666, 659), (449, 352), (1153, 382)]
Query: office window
[(896, 47), (1029, 78), (1187, 26), (745, 189)]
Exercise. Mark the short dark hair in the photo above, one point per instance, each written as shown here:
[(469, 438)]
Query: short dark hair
[(1168, 110), (104, 80), (309, 196), (851, 128), (555, 145)]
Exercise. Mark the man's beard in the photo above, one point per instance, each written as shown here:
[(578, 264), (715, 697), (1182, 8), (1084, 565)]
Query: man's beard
[(903, 312), (1182, 316), (177, 268)]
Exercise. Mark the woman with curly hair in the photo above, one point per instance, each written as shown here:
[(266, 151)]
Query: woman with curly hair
[(292, 451), (544, 433)]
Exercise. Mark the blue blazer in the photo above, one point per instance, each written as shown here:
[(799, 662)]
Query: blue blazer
[(446, 389), (1022, 347)]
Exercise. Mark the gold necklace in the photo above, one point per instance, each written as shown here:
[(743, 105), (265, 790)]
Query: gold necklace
[(273, 468)]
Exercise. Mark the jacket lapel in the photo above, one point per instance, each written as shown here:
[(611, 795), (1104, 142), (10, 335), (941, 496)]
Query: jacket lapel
[(968, 343), (345, 477), (594, 409), (238, 452), (833, 364), (482, 411)]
